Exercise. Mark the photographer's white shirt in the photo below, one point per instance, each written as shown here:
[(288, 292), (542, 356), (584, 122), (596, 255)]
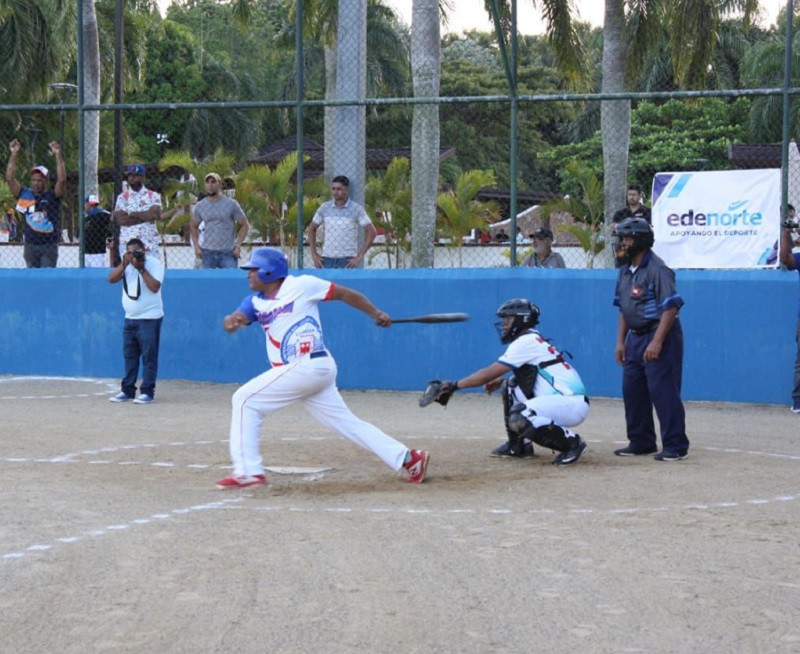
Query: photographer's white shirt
[(148, 306)]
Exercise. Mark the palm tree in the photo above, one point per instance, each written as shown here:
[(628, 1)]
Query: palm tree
[(426, 73), (763, 66), (388, 200), (460, 212), (586, 210), (37, 38), (269, 198), (693, 27)]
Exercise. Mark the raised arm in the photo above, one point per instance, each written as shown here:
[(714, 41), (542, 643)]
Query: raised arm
[(11, 168), (61, 171)]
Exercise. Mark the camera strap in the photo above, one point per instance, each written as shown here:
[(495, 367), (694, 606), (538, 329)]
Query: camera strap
[(138, 286)]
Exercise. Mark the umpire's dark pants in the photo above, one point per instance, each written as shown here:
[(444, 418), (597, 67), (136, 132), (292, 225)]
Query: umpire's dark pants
[(654, 384)]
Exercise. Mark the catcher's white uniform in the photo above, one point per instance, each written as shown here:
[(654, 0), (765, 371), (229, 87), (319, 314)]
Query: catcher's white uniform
[(302, 370), (558, 393)]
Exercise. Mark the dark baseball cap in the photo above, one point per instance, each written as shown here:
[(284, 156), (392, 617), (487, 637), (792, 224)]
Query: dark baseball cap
[(136, 169), (543, 232)]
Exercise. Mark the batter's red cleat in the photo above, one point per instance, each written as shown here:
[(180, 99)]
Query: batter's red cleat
[(241, 482), (417, 466)]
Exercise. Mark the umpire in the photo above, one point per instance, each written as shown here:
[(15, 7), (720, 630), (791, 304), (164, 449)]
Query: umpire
[(649, 346)]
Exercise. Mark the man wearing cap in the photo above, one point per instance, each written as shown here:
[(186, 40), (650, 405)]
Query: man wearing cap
[(224, 226), (543, 255), (96, 233), (40, 206), (136, 210)]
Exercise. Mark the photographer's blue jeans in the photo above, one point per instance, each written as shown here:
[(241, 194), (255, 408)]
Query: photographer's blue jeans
[(140, 340), (219, 259)]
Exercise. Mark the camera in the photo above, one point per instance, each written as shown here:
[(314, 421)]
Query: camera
[(138, 255), (790, 223)]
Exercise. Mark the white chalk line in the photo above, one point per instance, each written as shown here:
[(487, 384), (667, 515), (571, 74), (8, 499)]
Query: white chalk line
[(115, 528), (111, 387), (80, 457)]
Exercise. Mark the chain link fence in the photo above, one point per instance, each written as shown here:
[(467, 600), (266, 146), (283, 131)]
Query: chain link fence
[(233, 106)]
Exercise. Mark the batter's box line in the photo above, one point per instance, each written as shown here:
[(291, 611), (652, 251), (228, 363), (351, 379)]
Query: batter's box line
[(495, 511), (116, 528)]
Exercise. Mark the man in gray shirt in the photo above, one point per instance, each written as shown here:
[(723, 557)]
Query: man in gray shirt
[(543, 255), (220, 215)]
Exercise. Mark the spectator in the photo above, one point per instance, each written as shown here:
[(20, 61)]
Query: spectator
[(340, 219), (225, 226), (136, 211), (96, 233), (792, 262), (141, 275), (40, 206), (634, 208), (649, 346), (501, 237), (543, 255), (772, 257)]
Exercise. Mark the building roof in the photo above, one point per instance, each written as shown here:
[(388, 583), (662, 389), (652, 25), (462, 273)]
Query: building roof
[(376, 158), (763, 155)]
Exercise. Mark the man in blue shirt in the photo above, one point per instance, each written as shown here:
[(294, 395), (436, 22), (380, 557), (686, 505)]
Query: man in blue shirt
[(649, 346), (40, 207), (792, 262)]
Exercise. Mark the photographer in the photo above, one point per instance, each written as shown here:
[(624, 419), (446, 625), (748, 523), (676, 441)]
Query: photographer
[(141, 276)]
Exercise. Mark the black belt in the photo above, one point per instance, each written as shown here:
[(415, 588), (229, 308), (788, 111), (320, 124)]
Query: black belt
[(317, 355), (646, 329)]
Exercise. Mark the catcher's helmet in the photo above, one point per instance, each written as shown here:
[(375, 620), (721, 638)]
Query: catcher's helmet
[(640, 231), (270, 263), (526, 316)]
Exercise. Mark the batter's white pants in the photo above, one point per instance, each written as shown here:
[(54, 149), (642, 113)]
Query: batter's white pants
[(563, 410), (313, 383)]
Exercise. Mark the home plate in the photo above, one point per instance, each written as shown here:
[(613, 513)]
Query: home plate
[(290, 470)]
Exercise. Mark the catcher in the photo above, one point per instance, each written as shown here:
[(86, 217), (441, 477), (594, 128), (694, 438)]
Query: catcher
[(543, 396)]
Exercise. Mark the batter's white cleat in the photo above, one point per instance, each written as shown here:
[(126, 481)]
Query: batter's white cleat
[(417, 466), (241, 482)]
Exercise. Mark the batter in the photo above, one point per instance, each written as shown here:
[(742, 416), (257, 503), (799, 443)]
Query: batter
[(302, 368)]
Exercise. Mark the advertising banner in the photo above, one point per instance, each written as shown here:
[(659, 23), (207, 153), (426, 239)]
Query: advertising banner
[(717, 219)]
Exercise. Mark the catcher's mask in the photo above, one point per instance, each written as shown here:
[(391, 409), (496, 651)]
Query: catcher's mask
[(526, 316), (641, 233), (270, 263)]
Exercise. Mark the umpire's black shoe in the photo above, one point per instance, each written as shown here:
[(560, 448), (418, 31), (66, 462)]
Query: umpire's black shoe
[(571, 455), (505, 450), (629, 451)]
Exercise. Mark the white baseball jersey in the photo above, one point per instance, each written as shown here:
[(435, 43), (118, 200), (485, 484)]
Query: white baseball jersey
[(559, 378), (290, 319)]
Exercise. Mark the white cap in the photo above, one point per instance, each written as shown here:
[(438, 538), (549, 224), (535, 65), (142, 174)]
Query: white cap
[(40, 169)]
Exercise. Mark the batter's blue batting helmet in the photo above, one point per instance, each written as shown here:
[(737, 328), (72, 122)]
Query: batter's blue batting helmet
[(270, 263)]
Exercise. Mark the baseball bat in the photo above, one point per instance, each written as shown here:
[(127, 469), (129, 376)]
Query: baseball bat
[(431, 318)]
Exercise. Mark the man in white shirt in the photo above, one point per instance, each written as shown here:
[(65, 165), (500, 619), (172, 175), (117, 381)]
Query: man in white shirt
[(341, 219), (141, 275)]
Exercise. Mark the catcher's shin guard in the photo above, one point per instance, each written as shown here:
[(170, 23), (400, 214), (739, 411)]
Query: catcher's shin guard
[(515, 441), (551, 436)]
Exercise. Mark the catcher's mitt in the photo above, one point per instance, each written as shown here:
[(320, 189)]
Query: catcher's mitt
[(438, 391)]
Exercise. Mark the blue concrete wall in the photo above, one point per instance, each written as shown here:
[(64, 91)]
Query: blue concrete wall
[(739, 327)]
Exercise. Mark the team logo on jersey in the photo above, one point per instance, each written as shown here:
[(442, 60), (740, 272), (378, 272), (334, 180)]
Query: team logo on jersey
[(637, 291), (304, 337)]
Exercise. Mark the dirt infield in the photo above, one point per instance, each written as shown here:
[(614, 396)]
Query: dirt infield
[(114, 539)]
